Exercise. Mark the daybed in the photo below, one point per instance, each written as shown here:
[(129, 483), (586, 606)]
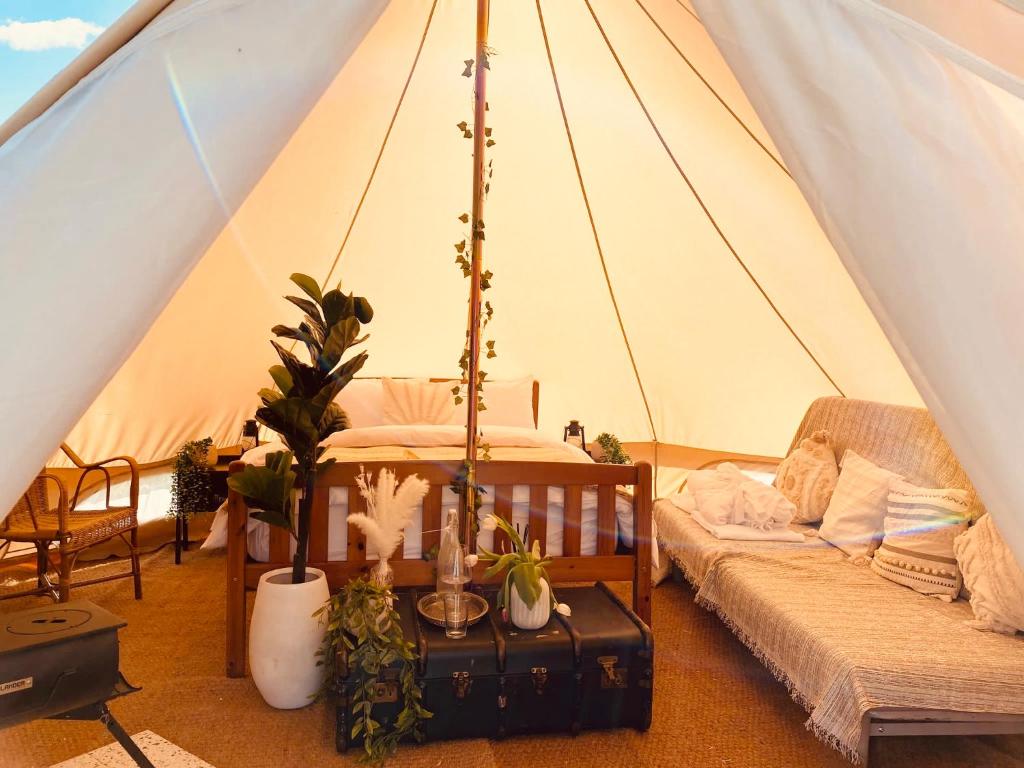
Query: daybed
[(865, 656), (577, 507)]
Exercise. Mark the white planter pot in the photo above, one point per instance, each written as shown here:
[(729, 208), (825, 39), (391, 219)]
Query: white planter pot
[(284, 637), (530, 618)]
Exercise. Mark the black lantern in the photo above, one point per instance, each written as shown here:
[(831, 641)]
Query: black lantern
[(574, 435), (250, 435)]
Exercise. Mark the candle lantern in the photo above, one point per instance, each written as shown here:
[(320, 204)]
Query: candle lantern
[(574, 435), (250, 435)]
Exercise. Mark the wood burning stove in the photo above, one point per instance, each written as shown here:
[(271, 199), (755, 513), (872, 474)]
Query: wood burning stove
[(61, 662)]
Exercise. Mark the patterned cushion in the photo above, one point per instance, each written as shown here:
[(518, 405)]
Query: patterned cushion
[(920, 526), (856, 512), (807, 477)]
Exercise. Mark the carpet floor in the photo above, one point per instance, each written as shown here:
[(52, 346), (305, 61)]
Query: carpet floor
[(714, 705)]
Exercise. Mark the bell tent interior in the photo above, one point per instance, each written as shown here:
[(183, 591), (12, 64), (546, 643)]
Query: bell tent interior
[(700, 226)]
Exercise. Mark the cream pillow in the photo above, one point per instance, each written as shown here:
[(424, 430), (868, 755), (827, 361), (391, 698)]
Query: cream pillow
[(993, 576), (508, 404), (417, 401), (807, 477), (363, 402), (854, 520), (917, 551)]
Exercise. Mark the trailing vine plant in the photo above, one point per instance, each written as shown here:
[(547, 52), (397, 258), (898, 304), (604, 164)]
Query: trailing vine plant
[(191, 489), (364, 636), (464, 250)]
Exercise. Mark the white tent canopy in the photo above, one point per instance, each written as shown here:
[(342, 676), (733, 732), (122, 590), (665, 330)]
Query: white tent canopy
[(655, 265)]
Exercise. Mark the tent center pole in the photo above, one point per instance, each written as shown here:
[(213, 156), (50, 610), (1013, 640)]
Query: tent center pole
[(477, 228)]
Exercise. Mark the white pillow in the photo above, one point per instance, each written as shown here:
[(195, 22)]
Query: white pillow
[(993, 576), (855, 518), (917, 551), (508, 404), (417, 401), (363, 401)]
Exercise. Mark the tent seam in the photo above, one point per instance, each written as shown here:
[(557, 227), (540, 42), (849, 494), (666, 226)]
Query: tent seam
[(700, 201), (711, 88), (593, 225), (383, 145)]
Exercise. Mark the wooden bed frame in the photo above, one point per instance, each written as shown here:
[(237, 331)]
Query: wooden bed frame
[(243, 574)]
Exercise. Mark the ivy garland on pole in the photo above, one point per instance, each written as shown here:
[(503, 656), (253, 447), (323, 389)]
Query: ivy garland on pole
[(464, 260)]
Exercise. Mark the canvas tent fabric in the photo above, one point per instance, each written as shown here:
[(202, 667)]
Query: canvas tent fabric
[(656, 267), (909, 147)]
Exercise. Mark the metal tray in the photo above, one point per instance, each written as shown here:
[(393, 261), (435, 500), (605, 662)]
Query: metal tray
[(431, 608)]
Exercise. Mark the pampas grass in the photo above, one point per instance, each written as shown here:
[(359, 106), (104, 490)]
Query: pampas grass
[(388, 511)]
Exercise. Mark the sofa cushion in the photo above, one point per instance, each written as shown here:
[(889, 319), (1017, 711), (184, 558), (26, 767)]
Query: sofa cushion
[(993, 576), (807, 477), (854, 520), (917, 550)]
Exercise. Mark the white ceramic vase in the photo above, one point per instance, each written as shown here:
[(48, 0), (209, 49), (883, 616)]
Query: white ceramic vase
[(284, 637), (530, 618)]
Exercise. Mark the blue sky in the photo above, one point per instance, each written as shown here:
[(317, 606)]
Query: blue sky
[(30, 54)]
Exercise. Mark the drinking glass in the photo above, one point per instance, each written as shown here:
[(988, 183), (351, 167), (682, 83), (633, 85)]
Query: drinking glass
[(456, 614)]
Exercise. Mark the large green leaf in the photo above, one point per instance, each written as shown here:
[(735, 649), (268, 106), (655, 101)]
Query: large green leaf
[(290, 418), (312, 344), (268, 489), (341, 335), (337, 306), (306, 380), (282, 378), (363, 310), (334, 419), (308, 285)]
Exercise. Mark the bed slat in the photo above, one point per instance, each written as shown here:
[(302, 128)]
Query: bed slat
[(280, 541), (539, 516), (572, 520), (356, 538), (606, 519), (432, 518), (503, 509)]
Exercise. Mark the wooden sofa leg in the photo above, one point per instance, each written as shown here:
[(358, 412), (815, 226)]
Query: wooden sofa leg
[(864, 746)]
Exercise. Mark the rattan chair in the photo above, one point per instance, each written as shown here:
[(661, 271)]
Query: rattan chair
[(60, 533)]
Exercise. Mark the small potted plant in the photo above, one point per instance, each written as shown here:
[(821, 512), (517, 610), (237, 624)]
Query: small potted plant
[(526, 596)]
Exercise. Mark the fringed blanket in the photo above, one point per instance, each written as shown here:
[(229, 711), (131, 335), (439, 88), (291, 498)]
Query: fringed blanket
[(842, 639)]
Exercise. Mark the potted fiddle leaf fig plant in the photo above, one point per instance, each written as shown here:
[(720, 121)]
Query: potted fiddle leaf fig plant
[(526, 596), (284, 635)]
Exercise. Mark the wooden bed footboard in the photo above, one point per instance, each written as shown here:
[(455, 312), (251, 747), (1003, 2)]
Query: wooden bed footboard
[(243, 573)]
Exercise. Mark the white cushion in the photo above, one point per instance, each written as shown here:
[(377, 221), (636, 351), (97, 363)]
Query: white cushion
[(807, 477), (508, 404), (920, 525), (417, 401), (854, 520), (363, 401), (993, 576)]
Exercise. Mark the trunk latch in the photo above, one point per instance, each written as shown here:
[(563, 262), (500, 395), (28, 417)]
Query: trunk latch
[(540, 679), (461, 682), (612, 677)]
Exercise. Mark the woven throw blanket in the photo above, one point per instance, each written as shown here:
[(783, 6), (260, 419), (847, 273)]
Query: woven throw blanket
[(842, 639)]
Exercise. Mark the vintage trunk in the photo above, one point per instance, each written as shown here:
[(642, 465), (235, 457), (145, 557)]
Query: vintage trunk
[(592, 670)]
